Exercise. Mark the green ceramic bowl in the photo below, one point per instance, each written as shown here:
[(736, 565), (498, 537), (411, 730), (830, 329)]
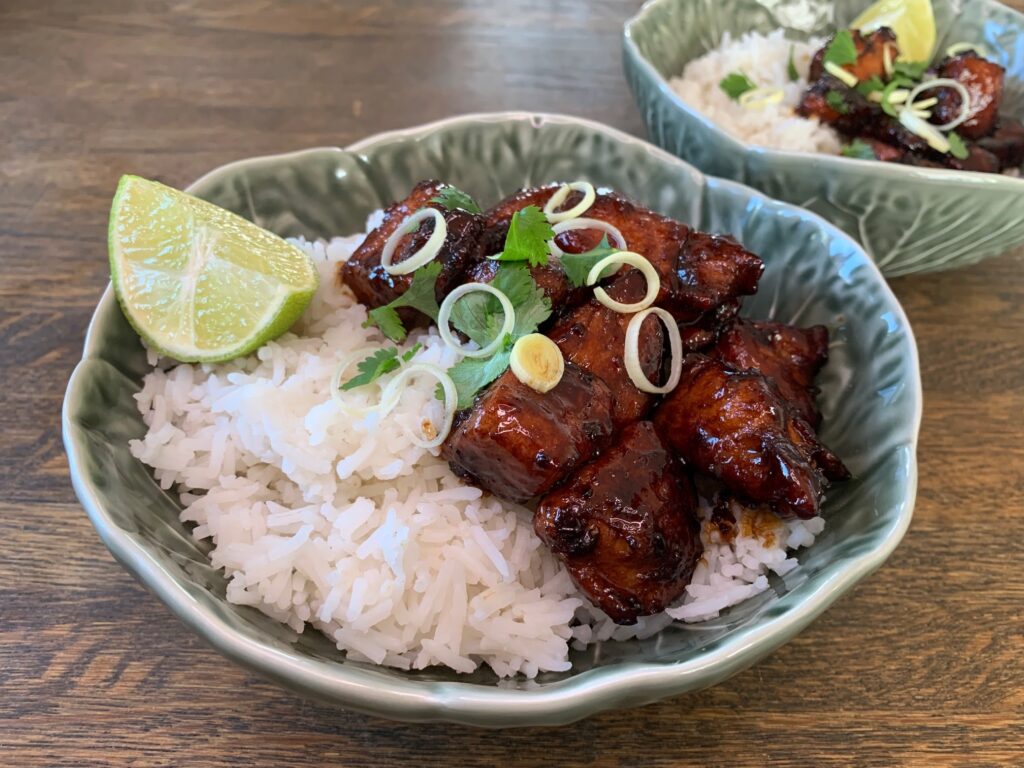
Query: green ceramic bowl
[(908, 219), (815, 274)]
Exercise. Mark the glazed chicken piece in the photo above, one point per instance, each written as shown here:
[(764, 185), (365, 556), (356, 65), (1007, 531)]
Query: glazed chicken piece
[(462, 248), (983, 80), (550, 278), (1006, 142), (699, 273), (518, 443), (737, 427), (791, 357), (625, 527), (870, 55), (593, 337)]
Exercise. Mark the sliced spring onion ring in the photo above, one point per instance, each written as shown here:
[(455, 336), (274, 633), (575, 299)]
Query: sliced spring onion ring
[(571, 224), (393, 391), (632, 352), (958, 48), (887, 60), (841, 74), (445, 313), (555, 216), (944, 82), (759, 98), (925, 103), (925, 130), (898, 96), (423, 255), (633, 260), (537, 362)]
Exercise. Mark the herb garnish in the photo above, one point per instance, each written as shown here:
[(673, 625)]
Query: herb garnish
[(791, 67), (859, 149), (872, 84), (479, 316), (420, 295), (842, 50), (957, 148), (835, 100), (912, 70), (379, 363), (527, 238), (578, 265), (887, 107), (454, 198), (735, 84)]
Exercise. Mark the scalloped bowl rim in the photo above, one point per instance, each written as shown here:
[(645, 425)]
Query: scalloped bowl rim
[(559, 702), (887, 170)]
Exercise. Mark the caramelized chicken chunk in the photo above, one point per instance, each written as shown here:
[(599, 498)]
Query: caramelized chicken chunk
[(550, 278), (374, 287), (735, 426), (1006, 142), (594, 337), (518, 443), (625, 528), (870, 55), (699, 272), (791, 357), (983, 80)]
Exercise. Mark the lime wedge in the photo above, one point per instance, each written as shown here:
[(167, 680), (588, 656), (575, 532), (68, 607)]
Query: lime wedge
[(198, 283), (911, 20)]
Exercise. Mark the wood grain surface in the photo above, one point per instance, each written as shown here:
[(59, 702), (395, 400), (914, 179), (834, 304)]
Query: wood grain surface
[(923, 664)]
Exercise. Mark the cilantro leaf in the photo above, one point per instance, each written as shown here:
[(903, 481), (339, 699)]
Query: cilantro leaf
[(376, 365), (411, 353), (527, 238), (859, 149), (957, 148), (912, 70), (474, 373), (479, 315), (872, 84), (578, 265), (735, 84), (791, 67), (835, 100), (453, 198), (419, 295), (841, 50)]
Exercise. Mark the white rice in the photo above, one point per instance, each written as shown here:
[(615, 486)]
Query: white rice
[(347, 526), (764, 59)]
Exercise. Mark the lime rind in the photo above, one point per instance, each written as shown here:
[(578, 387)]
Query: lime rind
[(198, 283)]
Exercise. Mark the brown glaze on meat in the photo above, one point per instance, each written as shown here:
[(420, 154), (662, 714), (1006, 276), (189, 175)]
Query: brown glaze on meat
[(983, 80), (625, 527), (550, 278), (699, 272), (593, 337), (1006, 142), (462, 248), (518, 443), (735, 426), (870, 55), (789, 356)]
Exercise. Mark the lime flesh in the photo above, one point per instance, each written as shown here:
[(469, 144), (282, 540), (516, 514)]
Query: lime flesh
[(197, 282)]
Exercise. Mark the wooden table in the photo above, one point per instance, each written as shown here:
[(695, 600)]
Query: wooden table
[(923, 663)]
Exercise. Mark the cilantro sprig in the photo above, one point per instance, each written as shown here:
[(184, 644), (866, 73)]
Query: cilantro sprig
[(454, 198), (836, 101), (735, 84), (381, 362), (957, 148), (841, 49), (859, 149), (420, 295), (578, 265), (527, 240)]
